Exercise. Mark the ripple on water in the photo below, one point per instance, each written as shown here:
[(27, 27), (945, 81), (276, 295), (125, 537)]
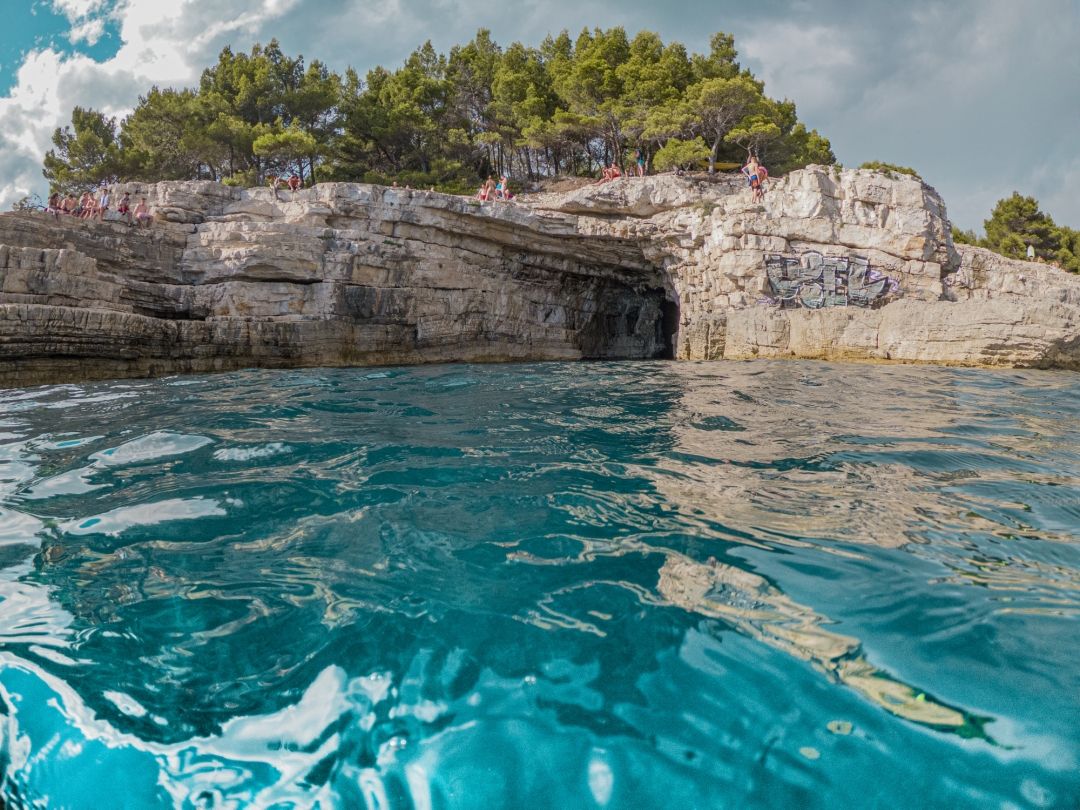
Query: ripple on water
[(620, 585)]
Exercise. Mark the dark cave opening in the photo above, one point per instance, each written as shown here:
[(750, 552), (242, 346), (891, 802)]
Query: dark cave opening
[(669, 329)]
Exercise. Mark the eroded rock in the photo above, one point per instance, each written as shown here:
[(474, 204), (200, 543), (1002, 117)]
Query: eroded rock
[(346, 274)]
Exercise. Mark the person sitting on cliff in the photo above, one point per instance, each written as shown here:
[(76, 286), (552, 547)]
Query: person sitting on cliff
[(124, 208), (142, 213), (502, 188), (608, 173), (55, 206), (68, 204), (86, 206), (294, 183)]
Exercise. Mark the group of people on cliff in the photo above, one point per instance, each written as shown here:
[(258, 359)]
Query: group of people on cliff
[(755, 172), (96, 204), (278, 183), (490, 190), (613, 172)]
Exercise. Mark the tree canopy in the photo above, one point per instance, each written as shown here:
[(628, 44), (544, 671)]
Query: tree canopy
[(567, 106), (1016, 222), (86, 153)]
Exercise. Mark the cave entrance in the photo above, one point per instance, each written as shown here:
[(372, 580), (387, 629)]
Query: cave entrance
[(669, 329)]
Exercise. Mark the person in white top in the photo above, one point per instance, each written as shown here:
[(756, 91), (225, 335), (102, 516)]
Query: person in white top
[(103, 203)]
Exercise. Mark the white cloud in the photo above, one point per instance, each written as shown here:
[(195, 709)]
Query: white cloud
[(89, 32), (76, 10), (1056, 188), (808, 64), (165, 44)]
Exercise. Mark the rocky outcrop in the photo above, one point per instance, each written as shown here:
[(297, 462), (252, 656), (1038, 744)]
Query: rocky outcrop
[(336, 275), (346, 274), (953, 304)]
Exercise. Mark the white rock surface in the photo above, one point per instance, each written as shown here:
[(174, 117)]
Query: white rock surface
[(958, 305), (346, 274)]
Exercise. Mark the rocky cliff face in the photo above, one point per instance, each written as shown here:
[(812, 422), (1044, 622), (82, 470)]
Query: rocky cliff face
[(337, 275), (846, 265), (816, 230)]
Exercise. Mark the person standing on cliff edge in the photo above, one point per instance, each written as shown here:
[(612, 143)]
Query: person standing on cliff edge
[(754, 172), (1030, 252), (103, 203)]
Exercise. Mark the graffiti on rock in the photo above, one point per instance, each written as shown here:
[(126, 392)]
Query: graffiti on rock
[(815, 281)]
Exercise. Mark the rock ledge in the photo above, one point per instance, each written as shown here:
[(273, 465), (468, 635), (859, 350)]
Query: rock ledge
[(346, 274)]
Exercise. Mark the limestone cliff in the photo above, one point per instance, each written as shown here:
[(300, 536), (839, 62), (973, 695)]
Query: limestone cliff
[(943, 303), (336, 275), (831, 264)]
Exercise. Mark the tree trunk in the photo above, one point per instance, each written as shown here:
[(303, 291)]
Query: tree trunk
[(712, 155)]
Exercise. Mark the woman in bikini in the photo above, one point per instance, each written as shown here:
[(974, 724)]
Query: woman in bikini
[(752, 170)]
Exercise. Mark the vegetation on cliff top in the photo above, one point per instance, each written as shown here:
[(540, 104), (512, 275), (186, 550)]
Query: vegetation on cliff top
[(1017, 222), (565, 107), (890, 169)]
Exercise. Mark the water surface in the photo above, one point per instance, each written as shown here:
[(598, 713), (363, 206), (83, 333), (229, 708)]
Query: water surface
[(558, 585)]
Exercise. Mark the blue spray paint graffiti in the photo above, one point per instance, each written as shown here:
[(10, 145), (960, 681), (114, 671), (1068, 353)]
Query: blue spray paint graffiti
[(815, 281)]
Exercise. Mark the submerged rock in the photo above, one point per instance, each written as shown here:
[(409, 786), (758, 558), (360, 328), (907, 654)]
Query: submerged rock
[(347, 274)]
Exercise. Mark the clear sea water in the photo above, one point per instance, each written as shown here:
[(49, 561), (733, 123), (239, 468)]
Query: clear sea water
[(650, 585)]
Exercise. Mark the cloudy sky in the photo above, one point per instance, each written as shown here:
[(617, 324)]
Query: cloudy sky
[(981, 96)]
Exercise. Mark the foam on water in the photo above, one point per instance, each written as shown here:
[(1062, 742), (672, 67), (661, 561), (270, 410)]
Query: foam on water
[(605, 585)]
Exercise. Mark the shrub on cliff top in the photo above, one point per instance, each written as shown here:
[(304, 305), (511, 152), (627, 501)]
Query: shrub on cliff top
[(680, 154), (890, 169)]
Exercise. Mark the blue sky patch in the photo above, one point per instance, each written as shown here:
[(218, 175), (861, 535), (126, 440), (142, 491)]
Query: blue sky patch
[(36, 25)]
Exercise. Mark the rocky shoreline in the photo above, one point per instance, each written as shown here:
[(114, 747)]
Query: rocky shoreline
[(834, 265)]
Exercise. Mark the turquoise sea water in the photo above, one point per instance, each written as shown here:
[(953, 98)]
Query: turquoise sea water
[(651, 585)]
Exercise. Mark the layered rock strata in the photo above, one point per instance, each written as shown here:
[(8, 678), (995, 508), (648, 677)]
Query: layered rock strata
[(346, 274), (954, 304), (337, 275)]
